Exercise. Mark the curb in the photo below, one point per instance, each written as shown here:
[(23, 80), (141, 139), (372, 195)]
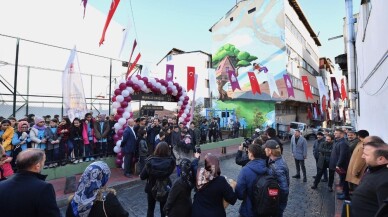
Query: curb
[(63, 201)]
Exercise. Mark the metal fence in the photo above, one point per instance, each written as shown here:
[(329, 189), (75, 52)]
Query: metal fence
[(31, 77)]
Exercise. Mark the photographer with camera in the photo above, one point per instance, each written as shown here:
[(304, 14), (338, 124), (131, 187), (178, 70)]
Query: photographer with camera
[(242, 154)]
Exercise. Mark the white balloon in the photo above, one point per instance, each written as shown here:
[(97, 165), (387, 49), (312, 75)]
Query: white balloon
[(184, 115), (122, 121), (174, 92), (141, 83), (117, 149), (187, 111), (181, 119), (147, 90), (134, 79), (184, 94), (117, 126), (188, 106), (122, 165), (122, 80), (118, 143), (115, 104), (180, 103), (164, 91), (180, 98), (128, 108), (158, 85), (125, 93), (126, 115), (119, 98), (170, 84), (130, 90)]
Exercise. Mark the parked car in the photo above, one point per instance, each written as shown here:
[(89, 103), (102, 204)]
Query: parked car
[(304, 129)]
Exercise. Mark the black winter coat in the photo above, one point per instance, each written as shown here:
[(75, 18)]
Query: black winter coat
[(324, 150), (27, 194), (339, 155), (156, 167), (179, 200), (111, 205)]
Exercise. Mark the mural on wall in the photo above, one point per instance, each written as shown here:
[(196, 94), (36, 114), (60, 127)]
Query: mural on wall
[(250, 38)]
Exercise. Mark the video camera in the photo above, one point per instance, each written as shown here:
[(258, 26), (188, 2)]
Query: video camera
[(247, 142)]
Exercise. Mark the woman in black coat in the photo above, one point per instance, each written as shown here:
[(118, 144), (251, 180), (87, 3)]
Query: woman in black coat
[(159, 166), (212, 190), (179, 199), (92, 198)]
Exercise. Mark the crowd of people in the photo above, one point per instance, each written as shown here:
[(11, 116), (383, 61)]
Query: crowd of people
[(262, 185)]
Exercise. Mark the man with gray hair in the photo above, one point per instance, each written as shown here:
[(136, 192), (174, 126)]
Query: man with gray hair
[(27, 193)]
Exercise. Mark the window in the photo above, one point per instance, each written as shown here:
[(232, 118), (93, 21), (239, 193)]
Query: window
[(252, 10), (169, 58)]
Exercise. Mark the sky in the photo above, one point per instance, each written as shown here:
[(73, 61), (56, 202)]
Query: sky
[(165, 24)]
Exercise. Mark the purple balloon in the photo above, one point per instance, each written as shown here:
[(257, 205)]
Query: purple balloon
[(116, 137), (138, 77), (187, 98), (185, 102), (120, 155), (117, 92), (128, 99), (187, 119), (145, 79), (113, 98), (136, 88), (117, 117), (124, 104), (120, 110), (129, 83), (122, 86), (119, 162), (169, 90), (120, 133), (149, 85)]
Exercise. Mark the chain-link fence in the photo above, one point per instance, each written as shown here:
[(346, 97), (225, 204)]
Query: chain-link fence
[(31, 78)]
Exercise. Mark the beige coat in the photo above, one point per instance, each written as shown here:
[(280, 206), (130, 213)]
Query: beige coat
[(357, 165)]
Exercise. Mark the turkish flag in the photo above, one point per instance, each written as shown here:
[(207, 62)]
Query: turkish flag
[(306, 86), (190, 78), (112, 10), (309, 113), (254, 83), (343, 90)]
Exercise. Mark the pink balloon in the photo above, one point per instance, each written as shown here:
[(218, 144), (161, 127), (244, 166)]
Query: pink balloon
[(187, 98), (185, 102), (124, 104), (145, 79), (138, 77), (129, 83), (116, 137), (136, 87), (113, 98), (157, 79), (179, 88), (149, 85), (131, 114), (120, 155), (117, 92), (120, 133), (188, 115), (120, 110), (169, 90), (119, 162), (122, 86), (117, 117), (187, 119), (183, 107), (128, 99)]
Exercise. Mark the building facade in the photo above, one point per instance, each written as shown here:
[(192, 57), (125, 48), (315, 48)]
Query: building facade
[(269, 38)]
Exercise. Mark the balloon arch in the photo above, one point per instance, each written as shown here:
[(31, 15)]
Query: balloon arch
[(123, 111)]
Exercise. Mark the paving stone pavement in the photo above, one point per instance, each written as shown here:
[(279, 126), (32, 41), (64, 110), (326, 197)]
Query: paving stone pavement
[(302, 200)]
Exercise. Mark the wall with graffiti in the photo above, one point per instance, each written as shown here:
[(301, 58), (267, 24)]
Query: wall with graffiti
[(250, 38)]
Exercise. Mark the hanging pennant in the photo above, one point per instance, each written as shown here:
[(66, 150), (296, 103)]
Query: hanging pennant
[(169, 72), (233, 80), (254, 83), (85, 2), (309, 114), (343, 90), (131, 66), (113, 7), (306, 86), (334, 86), (290, 88), (323, 102), (190, 78), (272, 84), (321, 87)]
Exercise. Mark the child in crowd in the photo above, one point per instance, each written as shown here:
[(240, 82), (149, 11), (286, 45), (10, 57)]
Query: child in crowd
[(5, 164), (76, 140), (53, 140)]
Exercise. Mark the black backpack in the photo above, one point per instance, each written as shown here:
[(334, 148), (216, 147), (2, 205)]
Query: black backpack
[(161, 189), (266, 195)]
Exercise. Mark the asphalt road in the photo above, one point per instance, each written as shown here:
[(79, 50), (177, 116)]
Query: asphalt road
[(302, 200)]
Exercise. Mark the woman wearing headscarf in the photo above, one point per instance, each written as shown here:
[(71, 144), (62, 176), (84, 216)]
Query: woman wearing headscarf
[(212, 190), (92, 197), (21, 140), (37, 134), (6, 134), (179, 199), (158, 167)]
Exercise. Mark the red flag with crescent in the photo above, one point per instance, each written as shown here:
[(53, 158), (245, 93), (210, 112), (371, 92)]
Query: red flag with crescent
[(190, 78), (334, 86), (254, 83), (306, 86), (113, 7), (343, 90)]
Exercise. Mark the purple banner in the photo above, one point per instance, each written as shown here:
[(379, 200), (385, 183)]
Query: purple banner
[(169, 72), (233, 80), (334, 86), (290, 88)]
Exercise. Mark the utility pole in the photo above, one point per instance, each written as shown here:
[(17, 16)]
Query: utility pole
[(15, 82)]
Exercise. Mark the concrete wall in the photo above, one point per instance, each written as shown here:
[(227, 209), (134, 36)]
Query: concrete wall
[(371, 47)]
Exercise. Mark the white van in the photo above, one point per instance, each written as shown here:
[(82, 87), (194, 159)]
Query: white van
[(305, 130)]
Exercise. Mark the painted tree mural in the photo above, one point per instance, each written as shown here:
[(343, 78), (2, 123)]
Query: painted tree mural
[(236, 58)]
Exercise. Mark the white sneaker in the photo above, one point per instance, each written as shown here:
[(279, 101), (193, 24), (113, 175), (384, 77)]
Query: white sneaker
[(75, 162), (80, 160)]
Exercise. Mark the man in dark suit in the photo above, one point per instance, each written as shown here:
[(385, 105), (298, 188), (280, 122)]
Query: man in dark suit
[(128, 145), (26, 193)]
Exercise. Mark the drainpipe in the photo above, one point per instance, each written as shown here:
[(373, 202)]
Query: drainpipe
[(350, 48)]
